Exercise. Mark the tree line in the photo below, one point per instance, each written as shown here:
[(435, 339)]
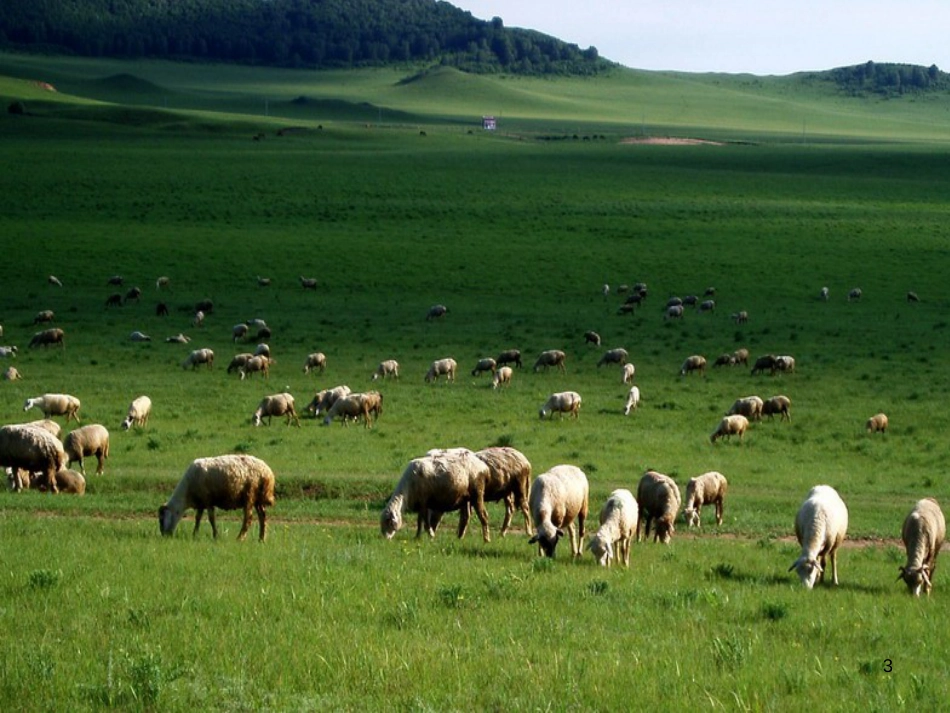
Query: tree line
[(889, 78)]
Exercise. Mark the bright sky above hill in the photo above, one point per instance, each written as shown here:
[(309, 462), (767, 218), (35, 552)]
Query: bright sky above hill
[(756, 36)]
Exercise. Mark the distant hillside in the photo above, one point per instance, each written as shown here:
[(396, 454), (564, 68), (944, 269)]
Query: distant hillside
[(289, 33), (886, 79)]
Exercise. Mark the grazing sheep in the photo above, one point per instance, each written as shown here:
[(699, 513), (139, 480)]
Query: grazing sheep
[(254, 365), (372, 406), (674, 302), (9, 351), (263, 281), (764, 363), (549, 358), (161, 310), (690, 301), (592, 338), (748, 406), (853, 295), (558, 498), (605, 290), (502, 377), (11, 374), (347, 407), (308, 283), (55, 405), (633, 400), (238, 331), (820, 526), (561, 403), (55, 281), (509, 479), (443, 481), (778, 405), (388, 367), (696, 363), (116, 280), (708, 306), (133, 295), (923, 533), (262, 350), (618, 525), (706, 489), (228, 482), (114, 300), (47, 425), (877, 423), (725, 360), (442, 367), (509, 356), (488, 364), (44, 316), (139, 337), (740, 317), (178, 339), (659, 499), (67, 481), (239, 361), (741, 356), (614, 356), (709, 292), (734, 425), (912, 297), (626, 375), (47, 338), (324, 400), (199, 319), (674, 312), (276, 405), (436, 312), (823, 295), (163, 281), (139, 411), (31, 449), (206, 306), (87, 441), (256, 324), (317, 360), (198, 357), (785, 363)]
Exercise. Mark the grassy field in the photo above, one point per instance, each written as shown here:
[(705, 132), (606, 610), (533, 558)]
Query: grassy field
[(516, 235)]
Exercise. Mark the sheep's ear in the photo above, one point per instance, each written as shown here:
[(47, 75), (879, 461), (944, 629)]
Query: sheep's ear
[(559, 532), (794, 565), (901, 572), (533, 540)]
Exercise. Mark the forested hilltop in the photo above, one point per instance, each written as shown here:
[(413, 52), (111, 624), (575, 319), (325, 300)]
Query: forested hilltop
[(294, 33)]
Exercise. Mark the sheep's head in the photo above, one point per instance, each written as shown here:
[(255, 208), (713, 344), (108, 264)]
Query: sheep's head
[(809, 570), (917, 579), (127, 423), (602, 550), (547, 539), (168, 520), (256, 417), (664, 531), (30, 403), (390, 522), (692, 517)]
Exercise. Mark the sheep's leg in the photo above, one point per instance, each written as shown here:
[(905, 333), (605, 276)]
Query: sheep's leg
[(198, 513), (572, 533), (100, 456), (262, 521), (834, 566), (581, 521), (482, 515), (465, 513), (51, 481), (248, 516), (82, 465), (719, 509)]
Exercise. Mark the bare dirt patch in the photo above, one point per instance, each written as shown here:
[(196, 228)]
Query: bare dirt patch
[(669, 141)]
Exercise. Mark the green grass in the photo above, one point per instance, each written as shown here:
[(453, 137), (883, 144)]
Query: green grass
[(516, 236)]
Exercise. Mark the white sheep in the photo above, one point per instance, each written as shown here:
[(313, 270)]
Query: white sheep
[(748, 406), (179, 338), (509, 480), (923, 533), (139, 411), (198, 319), (614, 356), (87, 441), (674, 312), (55, 405), (55, 281), (706, 489), (820, 526), (255, 365), (228, 482), (43, 316), (276, 405), (626, 375), (659, 499), (308, 283), (47, 338), (854, 294), (198, 357), (262, 350), (549, 358), (488, 364), (785, 363), (740, 317), (509, 356), (709, 306), (729, 426), (31, 449), (442, 367), (877, 423), (324, 400), (67, 481), (11, 374), (138, 336), (163, 281), (502, 377), (561, 402), (8, 351), (696, 362), (823, 294), (238, 361), (558, 498), (633, 400), (591, 337), (780, 404), (618, 525), (316, 360), (354, 406), (387, 368), (436, 312), (47, 425), (238, 331)]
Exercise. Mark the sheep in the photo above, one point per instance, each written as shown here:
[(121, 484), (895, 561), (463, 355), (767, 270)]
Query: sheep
[(912, 297), (114, 300), (785, 363), (55, 281), (317, 360), (502, 377), (551, 357), (725, 360), (256, 324), (633, 400), (709, 292), (509, 356), (614, 356), (436, 312), (764, 363), (626, 374), (198, 319), (561, 402), (440, 367), (706, 489), (11, 374), (9, 351), (741, 356), (674, 312), (43, 316), (48, 337), (618, 525), (55, 405), (854, 295), (349, 406), (34, 450), (923, 533), (228, 482), (116, 280), (780, 404), (443, 481), (324, 400), (823, 294), (262, 350), (263, 281), (690, 301), (748, 406), (605, 290), (387, 367), (238, 331), (659, 499), (137, 336), (163, 281), (47, 425), (87, 441), (488, 364), (740, 317), (238, 361), (592, 337), (161, 310), (198, 357), (877, 423), (179, 338), (696, 363), (734, 425), (308, 283), (372, 403), (709, 306), (557, 499), (256, 364), (509, 480), (67, 481), (205, 305), (820, 526), (139, 411), (276, 405), (133, 295), (674, 302)]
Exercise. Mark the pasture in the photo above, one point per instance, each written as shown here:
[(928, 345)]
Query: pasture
[(516, 236)]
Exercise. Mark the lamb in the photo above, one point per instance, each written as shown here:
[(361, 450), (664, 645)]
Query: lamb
[(179, 338), (509, 356), (388, 367), (785, 363), (42, 316), (557, 499), (324, 400), (561, 402), (626, 375), (820, 526), (55, 405), (440, 367), (764, 363), (198, 357), (9, 351), (633, 400), (592, 337), (256, 364), (618, 524), (509, 480), (87, 441), (488, 364), (706, 489), (923, 533), (749, 406), (137, 336), (139, 411), (436, 312), (877, 423), (780, 404), (551, 357), (48, 337), (308, 283), (34, 450), (441, 482), (693, 363), (238, 361), (853, 295), (67, 481), (228, 482), (317, 360), (729, 426), (276, 405), (502, 377), (11, 374), (659, 499), (614, 356)]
